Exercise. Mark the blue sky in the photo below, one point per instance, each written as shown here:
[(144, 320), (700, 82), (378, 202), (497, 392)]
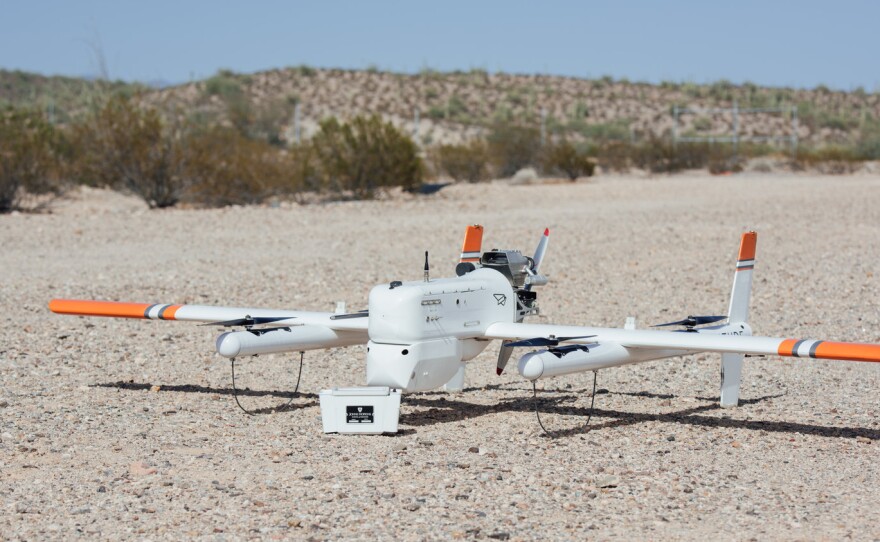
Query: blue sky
[(782, 43)]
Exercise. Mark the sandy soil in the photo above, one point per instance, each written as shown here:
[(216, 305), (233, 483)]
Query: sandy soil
[(127, 429)]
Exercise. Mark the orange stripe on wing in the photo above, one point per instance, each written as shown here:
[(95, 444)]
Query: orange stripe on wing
[(98, 308), (848, 351), (747, 246), (169, 313), (786, 347)]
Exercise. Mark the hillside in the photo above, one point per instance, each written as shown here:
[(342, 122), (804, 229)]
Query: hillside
[(61, 97), (454, 106)]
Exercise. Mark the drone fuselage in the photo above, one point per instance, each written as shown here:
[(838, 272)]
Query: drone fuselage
[(420, 332)]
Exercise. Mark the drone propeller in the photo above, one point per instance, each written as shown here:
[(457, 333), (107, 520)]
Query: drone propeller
[(507, 346), (693, 321), (545, 341), (542, 248), (249, 321)]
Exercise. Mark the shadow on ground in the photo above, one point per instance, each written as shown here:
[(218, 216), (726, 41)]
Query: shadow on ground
[(440, 410)]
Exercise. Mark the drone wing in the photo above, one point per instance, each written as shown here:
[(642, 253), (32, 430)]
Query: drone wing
[(227, 316), (698, 341)]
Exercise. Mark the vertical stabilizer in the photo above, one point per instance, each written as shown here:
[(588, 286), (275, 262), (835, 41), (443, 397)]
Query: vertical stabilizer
[(731, 364), (742, 280), (473, 241)]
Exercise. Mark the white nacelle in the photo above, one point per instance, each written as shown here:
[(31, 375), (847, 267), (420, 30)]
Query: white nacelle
[(287, 339), (544, 363), (421, 331)]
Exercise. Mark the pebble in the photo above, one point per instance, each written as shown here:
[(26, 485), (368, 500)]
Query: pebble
[(139, 468)]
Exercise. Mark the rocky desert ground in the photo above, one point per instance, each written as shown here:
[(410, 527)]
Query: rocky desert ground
[(127, 429)]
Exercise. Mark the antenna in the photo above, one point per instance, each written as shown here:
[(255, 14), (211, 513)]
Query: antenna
[(427, 267)]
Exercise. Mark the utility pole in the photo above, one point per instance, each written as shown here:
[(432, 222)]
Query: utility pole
[(415, 130), (296, 124), (543, 126)]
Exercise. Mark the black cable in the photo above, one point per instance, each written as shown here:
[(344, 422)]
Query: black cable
[(538, 414), (285, 405)]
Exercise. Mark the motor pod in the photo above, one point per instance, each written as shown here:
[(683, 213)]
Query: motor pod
[(568, 359), (283, 339)]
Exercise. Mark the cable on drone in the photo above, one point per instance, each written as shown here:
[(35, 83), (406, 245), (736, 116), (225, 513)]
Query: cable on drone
[(285, 405), (538, 414)]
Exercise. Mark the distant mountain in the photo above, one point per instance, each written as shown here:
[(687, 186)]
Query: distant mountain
[(448, 107)]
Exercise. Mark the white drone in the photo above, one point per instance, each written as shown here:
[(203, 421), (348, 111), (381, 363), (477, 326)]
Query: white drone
[(419, 334)]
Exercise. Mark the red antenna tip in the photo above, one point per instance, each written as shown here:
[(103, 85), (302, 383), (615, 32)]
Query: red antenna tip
[(546, 231)]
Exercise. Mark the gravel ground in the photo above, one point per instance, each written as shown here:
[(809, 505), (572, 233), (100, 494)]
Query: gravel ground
[(127, 429)]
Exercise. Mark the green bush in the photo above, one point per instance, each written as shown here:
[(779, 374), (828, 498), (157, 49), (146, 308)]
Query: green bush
[(602, 131), (615, 156), (224, 84), (868, 146), (124, 146), (564, 158), (659, 155), (226, 168), (465, 162), (834, 160), (29, 149), (513, 147), (364, 155)]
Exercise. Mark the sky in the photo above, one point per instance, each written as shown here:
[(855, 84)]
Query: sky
[(778, 43)]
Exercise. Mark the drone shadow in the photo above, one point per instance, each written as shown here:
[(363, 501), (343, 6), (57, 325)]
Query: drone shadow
[(450, 411), (243, 392), (443, 409)]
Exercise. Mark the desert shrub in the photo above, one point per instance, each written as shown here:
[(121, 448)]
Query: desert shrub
[(513, 147), (364, 155), (564, 158), (29, 149), (226, 168), (602, 131), (224, 84), (833, 160), (615, 156), (124, 146), (868, 146), (456, 107), (659, 155), (306, 71), (662, 156), (465, 162)]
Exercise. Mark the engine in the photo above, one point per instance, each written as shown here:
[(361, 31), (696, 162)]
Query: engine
[(518, 269)]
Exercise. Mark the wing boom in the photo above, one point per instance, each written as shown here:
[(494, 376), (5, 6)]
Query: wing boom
[(202, 313), (694, 342)]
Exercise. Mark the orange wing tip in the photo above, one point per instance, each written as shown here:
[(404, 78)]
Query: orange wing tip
[(829, 350), (747, 246), (114, 309)]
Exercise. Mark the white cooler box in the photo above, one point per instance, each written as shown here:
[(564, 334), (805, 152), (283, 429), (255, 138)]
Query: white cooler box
[(367, 410)]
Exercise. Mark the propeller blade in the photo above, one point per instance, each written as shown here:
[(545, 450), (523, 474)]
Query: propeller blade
[(692, 321), (542, 248), (503, 357), (545, 341), (250, 321)]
